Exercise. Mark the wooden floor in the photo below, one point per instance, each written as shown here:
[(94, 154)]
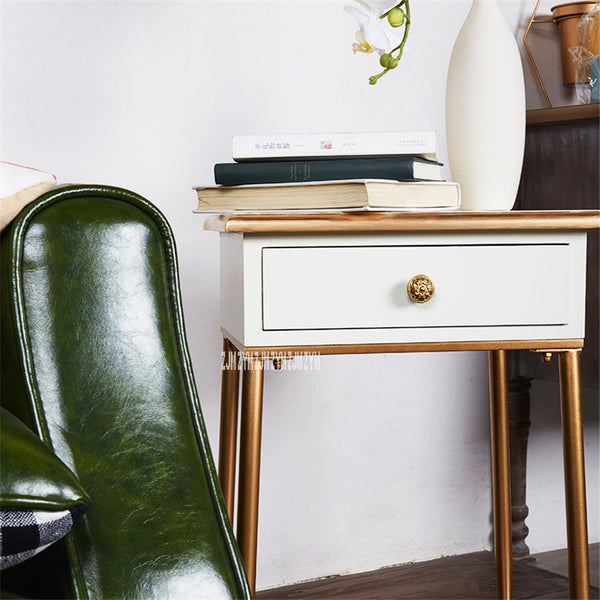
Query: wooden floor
[(470, 576), (556, 561)]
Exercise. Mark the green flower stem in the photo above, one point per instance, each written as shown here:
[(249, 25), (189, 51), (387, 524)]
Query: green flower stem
[(400, 47)]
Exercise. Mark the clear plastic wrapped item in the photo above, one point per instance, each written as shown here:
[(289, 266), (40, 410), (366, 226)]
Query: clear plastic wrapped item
[(586, 56)]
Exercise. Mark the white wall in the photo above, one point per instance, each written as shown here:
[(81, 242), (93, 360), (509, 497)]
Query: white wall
[(368, 461)]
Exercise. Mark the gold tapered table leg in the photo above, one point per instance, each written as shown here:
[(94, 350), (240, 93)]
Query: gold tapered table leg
[(574, 468), (250, 442), (500, 471), (230, 379)]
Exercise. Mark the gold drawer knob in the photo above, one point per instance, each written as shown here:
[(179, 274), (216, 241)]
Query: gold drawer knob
[(420, 289)]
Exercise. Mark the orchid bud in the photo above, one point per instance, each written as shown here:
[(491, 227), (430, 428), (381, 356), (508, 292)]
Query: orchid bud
[(388, 61), (396, 17)]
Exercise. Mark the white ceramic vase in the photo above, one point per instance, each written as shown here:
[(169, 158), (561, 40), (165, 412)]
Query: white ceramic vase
[(485, 110)]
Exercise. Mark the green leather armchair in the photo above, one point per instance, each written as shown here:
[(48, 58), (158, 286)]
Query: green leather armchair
[(94, 360)]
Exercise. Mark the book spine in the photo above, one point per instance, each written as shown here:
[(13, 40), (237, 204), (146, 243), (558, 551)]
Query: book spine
[(331, 145), (399, 168)]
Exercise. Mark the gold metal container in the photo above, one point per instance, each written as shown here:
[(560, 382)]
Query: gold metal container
[(567, 16)]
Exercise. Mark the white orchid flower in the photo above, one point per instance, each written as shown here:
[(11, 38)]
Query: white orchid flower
[(361, 44), (381, 6), (375, 33), (384, 27)]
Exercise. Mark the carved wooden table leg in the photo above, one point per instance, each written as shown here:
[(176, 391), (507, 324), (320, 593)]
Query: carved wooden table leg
[(519, 424)]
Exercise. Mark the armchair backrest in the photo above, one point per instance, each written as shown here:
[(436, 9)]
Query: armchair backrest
[(94, 358)]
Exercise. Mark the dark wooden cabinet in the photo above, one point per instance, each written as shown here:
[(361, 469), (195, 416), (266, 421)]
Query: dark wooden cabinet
[(560, 172)]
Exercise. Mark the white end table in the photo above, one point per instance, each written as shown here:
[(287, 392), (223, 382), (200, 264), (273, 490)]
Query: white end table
[(377, 282)]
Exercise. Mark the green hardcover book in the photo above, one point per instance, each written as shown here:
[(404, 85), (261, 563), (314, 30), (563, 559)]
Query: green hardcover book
[(398, 168)]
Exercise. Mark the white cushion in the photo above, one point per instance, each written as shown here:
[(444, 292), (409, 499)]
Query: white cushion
[(20, 185)]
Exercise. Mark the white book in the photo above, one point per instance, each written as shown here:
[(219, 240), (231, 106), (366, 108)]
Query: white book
[(334, 145)]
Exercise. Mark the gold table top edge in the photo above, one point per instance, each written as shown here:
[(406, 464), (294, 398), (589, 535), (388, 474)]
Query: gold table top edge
[(371, 221)]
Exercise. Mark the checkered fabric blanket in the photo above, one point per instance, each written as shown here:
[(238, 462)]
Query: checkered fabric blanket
[(24, 533)]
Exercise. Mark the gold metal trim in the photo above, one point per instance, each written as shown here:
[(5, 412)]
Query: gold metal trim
[(420, 289), (548, 352), (249, 478), (230, 378), (533, 20), (574, 471), (357, 222), (500, 471), (271, 352)]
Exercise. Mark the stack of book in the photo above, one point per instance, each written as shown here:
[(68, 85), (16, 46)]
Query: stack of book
[(331, 171)]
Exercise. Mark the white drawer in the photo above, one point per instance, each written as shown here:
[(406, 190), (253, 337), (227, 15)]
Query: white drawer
[(307, 289), (365, 287)]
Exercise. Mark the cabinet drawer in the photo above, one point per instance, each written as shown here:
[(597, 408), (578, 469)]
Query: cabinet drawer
[(356, 287)]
